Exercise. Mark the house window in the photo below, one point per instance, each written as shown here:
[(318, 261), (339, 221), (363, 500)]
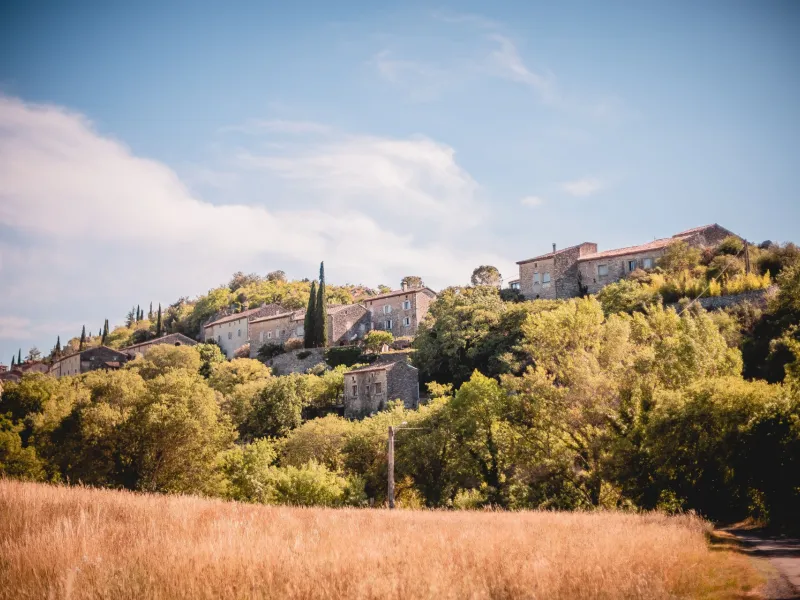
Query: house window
[(388, 324), (377, 387), (219, 338), (355, 390), (230, 335), (299, 331), (536, 279), (407, 305), (239, 332), (269, 335), (546, 280), (387, 309), (361, 328), (367, 390), (283, 332), (631, 265), (260, 336), (647, 263), (407, 322), (602, 270)]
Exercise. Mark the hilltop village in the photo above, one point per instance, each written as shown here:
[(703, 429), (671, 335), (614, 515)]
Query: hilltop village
[(275, 332)]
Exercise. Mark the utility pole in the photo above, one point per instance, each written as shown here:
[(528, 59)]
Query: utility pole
[(746, 257), (390, 461)]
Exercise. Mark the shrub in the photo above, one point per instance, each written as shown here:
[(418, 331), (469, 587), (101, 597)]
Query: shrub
[(375, 340), (270, 350), (303, 354), (242, 351), (342, 355), (509, 295), (731, 245), (293, 344), (314, 485)]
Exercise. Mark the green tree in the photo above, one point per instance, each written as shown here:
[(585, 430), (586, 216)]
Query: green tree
[(412, 281), (159, 330), (627, 296), (15, 459), (225, 376), (163, 358), (310, 323), (321, 316), (486, 275), (375, 340), (19, 356), (33, 354), (83, 339), (150, 312), (105, 333), (210, 355), (679, 256), (249, 471)]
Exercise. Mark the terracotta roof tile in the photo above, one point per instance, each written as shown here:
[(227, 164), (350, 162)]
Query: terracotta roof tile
[(235, 316), (550, 254)]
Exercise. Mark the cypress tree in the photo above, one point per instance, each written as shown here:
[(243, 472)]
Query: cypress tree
[(105, 332), (57, 352), (13, 358), (321, 316), (19, 357), (158, 324), (83, 339), (150, 314), (309, 328)]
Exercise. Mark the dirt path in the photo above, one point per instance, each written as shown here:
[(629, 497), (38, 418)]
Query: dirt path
[(783, 555)]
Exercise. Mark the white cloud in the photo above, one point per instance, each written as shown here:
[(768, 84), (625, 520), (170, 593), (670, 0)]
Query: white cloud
[(532, 201), (15, 328), (506, 62), (103, 228), (582, 187)]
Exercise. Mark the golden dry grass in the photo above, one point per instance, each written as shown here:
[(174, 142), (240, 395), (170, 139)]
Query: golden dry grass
[(59, 542)]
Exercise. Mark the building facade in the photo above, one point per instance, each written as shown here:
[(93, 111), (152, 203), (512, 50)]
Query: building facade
[(369, 389), (173, 339), (401, 311), (347, 324), (231, 332), (92, 359), (582, 269)]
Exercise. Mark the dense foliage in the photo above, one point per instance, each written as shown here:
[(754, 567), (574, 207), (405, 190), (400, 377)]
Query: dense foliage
[(609, 402)]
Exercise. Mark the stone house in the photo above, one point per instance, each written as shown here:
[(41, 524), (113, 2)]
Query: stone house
[(231, 332), (101, 357), (400, 311), (347, 323), (33, 366), (173, 339), (562, 273), (369, 389)]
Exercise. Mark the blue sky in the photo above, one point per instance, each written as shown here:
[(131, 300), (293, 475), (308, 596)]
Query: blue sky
[(148, 151)]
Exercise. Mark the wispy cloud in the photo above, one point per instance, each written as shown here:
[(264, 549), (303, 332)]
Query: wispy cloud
[(421, 81), (532, 201), (279, 126), (582, 187), (466, 19), (505, 61)]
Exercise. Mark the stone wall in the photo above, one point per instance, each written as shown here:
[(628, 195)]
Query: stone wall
[(346, 324), (419, 300), (565, 269), (365, 391), (289, 362), (757, 297), (403, 381), (617, 268), (529, 288)]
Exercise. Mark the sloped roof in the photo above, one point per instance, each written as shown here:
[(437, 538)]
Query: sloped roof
[(654, 245), (167, 339), (695, 230), (296, 315), (398, 293), (235, 316), (551, 254)]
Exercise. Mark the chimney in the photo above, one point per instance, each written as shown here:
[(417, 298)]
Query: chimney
[(554, 247), (404, 286)]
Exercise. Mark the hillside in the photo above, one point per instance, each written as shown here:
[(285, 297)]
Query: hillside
[(80, 543)]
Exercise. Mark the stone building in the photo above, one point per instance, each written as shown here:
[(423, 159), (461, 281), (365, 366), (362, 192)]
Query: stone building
[(369, 389), (562, 273), (400, 311), (101, 357), (347, 323), (173, 339), (231, 332)]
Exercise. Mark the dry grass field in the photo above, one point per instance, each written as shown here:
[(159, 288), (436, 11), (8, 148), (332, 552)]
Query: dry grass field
[(59, 542)]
